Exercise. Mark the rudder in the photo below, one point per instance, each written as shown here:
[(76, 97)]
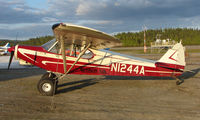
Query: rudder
[(175, 56)]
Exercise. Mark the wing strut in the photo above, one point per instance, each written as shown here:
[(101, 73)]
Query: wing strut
[(63, 53), (80, 55)]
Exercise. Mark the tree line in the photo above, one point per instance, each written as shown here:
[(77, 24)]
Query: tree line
[(38, 41), (188, 36)]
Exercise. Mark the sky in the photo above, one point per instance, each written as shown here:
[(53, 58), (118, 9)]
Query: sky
[(24, 19)]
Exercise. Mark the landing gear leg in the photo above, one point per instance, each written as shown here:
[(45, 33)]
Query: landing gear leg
[(179, 81), (47, 85)]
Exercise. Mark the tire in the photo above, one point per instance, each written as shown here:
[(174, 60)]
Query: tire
[(46, 87)]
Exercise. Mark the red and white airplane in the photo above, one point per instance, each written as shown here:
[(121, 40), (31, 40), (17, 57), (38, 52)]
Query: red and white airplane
[(79, 50)]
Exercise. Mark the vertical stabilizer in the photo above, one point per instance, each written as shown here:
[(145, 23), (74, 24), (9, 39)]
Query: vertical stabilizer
[(175, 56), (7, 45)]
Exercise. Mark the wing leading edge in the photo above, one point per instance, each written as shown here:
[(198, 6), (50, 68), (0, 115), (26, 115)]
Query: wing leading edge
[(79, 35)]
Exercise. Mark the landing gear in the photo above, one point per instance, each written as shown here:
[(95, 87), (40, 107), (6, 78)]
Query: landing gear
[(48, 75), (178, 82), (47, 85)]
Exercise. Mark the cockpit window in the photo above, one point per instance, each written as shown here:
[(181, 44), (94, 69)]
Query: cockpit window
[(47, 45), (75, 50), (51, 46), (70, 50), (88, 54)]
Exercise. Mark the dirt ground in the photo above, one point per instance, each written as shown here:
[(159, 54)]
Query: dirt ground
[(82, 97)]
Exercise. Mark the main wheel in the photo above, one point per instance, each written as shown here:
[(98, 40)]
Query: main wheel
[(47, 86)]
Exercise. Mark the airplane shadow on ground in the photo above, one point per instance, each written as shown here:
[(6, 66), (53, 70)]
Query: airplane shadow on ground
[(88, 82), (11, 74), (81, 84)]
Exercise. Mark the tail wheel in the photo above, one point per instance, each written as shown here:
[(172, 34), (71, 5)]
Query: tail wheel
[(179, 82), (47, 86)]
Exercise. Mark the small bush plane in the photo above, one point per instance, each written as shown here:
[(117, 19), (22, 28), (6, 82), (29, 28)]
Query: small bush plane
[(80, 50)]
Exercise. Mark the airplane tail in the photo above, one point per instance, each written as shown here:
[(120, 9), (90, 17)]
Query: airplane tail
[(174, 58), (7, 45)]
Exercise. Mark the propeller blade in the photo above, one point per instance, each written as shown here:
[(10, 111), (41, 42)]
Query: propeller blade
[(11, 57)]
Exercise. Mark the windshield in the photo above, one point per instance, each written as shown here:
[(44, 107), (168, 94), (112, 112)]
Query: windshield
[(70, 50), (51, 46), (48, 45)]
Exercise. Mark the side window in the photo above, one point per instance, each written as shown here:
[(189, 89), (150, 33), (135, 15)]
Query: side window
[(72, 50), (75, 50), (51, 46), (88, 54), (55, 49)]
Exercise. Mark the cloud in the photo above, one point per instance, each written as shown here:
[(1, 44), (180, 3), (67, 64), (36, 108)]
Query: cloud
[(106, 15), (49, 19), (13, 12), (85, 8), (137, 9), (62, 8), (25, 31)]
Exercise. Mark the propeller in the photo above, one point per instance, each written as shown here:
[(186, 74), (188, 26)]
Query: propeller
[(11, 57), (11, 50)]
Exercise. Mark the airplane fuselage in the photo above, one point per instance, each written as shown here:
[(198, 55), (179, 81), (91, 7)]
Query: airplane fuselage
[(101, 62)]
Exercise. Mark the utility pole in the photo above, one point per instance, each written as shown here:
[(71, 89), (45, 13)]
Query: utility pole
[(145, 47)]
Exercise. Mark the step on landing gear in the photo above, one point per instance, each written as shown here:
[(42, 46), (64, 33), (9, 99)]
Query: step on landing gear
[(47, 85)]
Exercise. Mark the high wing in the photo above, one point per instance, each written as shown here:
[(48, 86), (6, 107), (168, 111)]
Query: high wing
[(79, 35), (73, 35)]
